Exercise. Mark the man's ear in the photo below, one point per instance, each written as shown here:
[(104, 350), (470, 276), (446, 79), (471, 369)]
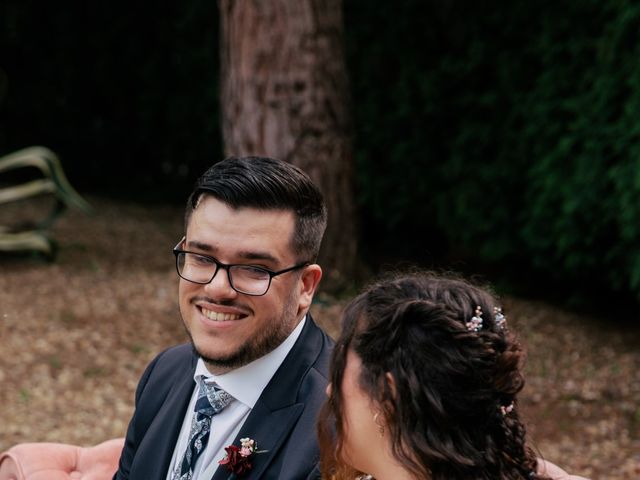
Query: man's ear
[(309, 280)]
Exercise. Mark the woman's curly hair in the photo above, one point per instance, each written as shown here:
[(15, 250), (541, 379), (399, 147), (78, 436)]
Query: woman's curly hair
[(444, 412)]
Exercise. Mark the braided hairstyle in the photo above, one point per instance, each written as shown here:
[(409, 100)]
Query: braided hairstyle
[(444, 410)]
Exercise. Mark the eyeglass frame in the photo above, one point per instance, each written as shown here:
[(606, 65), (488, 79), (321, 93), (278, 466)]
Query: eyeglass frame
[(177, 251)]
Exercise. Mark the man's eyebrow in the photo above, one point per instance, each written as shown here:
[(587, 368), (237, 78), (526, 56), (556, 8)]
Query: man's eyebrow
[(247, 255), (258, 256), (200, 246)]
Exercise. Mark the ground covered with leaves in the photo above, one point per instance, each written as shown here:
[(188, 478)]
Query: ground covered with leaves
[(76, 334)]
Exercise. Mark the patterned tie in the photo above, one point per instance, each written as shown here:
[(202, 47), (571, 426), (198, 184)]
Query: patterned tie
[(211, 400)]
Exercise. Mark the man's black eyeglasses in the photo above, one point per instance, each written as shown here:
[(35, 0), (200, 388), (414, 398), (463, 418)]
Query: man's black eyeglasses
[(246, 279)]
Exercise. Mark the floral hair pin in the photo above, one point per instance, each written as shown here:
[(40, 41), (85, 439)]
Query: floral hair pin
[(499, 319), (238, 459), (475, 324), (506, 409)]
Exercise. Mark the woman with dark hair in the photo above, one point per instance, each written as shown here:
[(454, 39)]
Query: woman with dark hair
[(424, 382)]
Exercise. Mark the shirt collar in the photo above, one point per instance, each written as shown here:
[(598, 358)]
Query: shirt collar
[(246, 383)]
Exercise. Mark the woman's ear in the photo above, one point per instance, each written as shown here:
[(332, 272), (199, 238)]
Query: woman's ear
[(388, 383), (391, 382)]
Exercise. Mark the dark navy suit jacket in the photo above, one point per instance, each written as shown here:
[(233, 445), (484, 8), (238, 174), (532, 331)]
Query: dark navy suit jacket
[(282, 420)]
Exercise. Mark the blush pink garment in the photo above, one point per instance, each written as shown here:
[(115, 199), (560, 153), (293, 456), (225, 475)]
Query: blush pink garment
[(58, 461)]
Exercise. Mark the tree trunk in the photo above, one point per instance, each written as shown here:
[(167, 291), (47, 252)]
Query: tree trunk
[(284, 94)]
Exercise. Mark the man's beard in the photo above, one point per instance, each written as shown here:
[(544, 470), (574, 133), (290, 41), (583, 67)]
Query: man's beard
[(257, 346)]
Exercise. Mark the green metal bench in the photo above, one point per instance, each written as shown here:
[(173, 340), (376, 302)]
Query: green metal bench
[(54, 182)]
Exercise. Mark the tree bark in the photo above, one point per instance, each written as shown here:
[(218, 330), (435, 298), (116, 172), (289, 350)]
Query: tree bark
[(284, 94)]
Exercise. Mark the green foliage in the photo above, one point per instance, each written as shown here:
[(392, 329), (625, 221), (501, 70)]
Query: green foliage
[(510, 128), (581, 218)]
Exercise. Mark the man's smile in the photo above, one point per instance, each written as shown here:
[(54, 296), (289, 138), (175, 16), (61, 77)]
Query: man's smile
[(219, 316)]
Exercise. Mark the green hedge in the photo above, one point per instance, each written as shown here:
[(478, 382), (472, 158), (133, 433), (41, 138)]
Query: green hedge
[(508, 132)]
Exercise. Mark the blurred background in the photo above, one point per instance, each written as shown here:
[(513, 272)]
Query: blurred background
[(498, 139), (493, 133)]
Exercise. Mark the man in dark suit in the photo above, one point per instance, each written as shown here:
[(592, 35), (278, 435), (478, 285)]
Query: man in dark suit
[(250, 385)]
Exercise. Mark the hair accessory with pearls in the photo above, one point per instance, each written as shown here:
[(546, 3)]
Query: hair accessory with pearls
[(475, 324), (499, 319)]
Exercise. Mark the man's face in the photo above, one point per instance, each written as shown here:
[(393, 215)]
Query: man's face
[(230, 329)]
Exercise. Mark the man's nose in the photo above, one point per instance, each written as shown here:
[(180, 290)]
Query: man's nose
[(220, 287)]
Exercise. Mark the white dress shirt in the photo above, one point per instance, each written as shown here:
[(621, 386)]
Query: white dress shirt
[(245, 385)]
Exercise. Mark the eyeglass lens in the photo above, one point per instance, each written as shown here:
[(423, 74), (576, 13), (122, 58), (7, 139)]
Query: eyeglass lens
[(246, 279)]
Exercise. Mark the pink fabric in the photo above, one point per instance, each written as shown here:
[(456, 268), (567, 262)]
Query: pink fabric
[(58, 461)]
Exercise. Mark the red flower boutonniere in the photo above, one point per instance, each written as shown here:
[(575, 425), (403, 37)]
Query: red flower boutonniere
[(238, 459)]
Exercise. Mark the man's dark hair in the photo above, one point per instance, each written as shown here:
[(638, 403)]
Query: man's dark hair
[(267, 184)]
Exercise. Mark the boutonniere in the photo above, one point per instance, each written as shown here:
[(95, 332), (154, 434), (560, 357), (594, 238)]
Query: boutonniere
[(238, 459)]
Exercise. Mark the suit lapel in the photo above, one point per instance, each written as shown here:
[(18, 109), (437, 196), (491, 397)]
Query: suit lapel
[(161, 437), (278, 408)]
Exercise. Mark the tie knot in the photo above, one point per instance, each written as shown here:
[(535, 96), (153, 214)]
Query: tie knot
[(211, 399)]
